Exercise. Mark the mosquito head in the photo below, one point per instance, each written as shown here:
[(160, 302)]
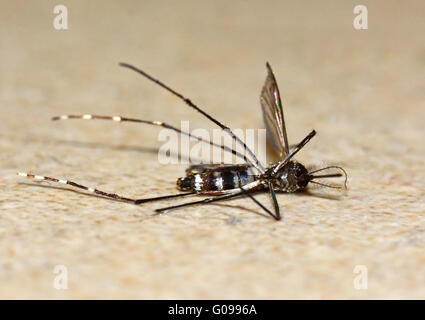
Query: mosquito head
[(292, 177), (314, 177), (295, 177)]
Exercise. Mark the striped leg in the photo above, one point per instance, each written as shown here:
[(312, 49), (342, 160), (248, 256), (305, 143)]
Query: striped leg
[(99, 192), (154, 123)]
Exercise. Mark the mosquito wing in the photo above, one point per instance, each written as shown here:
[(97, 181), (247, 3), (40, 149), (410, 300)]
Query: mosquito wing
[(273, 115)]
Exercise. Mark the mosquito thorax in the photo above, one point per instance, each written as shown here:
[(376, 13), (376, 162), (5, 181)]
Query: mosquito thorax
[(292, 177)]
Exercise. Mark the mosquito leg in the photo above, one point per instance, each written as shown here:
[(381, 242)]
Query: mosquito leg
[(207, 200), (154, 123), (219, 198), (276, 217), (276, 205), (79, 186), (139, 201), (192, 105), (301, 145), (102, 193)]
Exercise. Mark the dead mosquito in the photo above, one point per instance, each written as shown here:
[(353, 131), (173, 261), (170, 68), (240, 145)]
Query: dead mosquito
[(225, 181)]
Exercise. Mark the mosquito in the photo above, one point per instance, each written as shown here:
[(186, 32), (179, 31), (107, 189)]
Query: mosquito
[(225, 181)]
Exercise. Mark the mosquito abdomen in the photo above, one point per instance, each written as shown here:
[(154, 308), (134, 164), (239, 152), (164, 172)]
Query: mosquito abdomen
[(214, 180)]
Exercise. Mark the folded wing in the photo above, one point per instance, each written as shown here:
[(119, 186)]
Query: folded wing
[(273, 115)]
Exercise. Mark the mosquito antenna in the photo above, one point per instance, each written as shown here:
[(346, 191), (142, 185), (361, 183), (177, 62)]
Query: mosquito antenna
[(326, 185), (192, 105), (333, 175), (331, 167)]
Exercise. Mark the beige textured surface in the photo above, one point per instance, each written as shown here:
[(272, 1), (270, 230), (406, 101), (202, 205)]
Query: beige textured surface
[(363, 91)]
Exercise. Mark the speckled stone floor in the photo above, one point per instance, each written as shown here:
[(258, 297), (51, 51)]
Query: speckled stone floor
[(363, 91)]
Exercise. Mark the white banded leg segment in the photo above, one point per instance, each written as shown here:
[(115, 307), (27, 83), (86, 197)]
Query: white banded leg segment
[(76, 185), (88, 117), (158, 124)]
